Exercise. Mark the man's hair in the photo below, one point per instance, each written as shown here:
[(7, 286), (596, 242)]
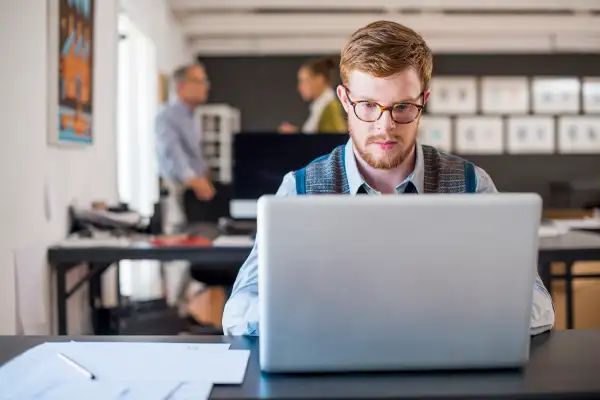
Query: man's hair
[(180, 74), (385, 48)]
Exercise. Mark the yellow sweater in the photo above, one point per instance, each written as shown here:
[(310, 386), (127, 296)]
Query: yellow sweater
[(332, 119)]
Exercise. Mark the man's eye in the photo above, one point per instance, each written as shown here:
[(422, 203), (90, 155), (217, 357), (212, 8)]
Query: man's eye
[(402, 107), (370, 105)]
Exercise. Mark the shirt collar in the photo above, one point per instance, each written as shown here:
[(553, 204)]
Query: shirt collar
[(356, 181), (323, 99), (183, 107)]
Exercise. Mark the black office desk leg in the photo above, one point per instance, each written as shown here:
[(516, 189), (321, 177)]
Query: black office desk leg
[(545, 271), (61, 297), (95, 292), (118, 284), (569, 293)]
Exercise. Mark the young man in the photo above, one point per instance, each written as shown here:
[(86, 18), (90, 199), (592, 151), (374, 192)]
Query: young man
[(385, 69)]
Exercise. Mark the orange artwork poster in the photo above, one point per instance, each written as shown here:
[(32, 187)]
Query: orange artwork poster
[(75, 83)]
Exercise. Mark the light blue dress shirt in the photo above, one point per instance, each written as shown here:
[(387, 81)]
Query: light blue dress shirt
[(178, 145), (240, 316)]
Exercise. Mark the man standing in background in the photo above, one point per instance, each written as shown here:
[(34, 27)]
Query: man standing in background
[(178, 142), (183, 169)]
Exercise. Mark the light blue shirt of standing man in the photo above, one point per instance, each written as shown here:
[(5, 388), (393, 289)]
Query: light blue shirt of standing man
[(241, 311), (180, 159), (178, 143)]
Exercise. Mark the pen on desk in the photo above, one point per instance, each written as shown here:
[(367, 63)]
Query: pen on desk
[(77, 366)]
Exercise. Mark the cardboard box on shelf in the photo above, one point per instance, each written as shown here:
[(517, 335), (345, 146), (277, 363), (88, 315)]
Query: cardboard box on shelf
[(207, 306), (586, 297), (567, 213)]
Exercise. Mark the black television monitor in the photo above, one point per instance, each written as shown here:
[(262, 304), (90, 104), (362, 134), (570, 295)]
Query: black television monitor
[(261, 160)]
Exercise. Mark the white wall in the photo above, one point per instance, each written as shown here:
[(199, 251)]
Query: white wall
[(155, 19), (32, 171), (35, 175)]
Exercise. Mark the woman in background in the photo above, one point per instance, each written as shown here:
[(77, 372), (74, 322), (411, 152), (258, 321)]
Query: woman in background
[(315, 80)]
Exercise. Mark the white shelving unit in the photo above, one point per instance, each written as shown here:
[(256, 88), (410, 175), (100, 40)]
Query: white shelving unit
[(218, 124)]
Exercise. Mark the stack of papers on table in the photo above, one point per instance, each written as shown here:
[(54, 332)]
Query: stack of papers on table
[(95, 242), (551, 231), (578, 223), (121, 370), (234, 241), (557, 227)]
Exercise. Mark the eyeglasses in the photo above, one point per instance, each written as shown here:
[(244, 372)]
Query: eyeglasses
[(199, 81), (370, 111)]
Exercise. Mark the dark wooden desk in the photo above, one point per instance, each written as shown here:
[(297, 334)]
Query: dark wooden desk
[(563, 365), (569, 248), (98, 259)]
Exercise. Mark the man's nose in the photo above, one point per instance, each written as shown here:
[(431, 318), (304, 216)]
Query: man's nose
[(385, 122)]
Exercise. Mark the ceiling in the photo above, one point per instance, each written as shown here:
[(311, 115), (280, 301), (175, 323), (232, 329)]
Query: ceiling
[(262, 27)]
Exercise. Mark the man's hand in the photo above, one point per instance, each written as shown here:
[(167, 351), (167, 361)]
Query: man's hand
[(202, 187), (286, 127)]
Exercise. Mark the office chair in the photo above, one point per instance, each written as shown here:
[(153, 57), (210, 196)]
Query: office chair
[(211, 211), (198, 211)]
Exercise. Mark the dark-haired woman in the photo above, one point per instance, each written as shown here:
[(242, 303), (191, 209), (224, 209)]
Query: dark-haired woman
[(315, 80)]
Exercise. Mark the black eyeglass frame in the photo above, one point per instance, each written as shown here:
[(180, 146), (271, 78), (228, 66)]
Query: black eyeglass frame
[(385, 108)]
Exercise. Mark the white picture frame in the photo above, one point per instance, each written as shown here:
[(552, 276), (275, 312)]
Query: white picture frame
[(504, 95), (556, 95), (579, 134), (479, 135), (531, 135), (591, 95), (437, 132), (453, 95)]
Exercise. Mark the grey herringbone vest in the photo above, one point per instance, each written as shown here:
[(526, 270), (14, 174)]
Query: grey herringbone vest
[(444, 173)]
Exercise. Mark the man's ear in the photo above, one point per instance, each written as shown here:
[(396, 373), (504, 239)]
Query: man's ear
[(341, 93), (426, 96)]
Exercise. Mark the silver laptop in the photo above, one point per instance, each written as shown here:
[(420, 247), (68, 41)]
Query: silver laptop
[(374, 283)]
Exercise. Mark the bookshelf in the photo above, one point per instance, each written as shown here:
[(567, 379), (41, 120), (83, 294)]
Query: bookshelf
[(218, 124)]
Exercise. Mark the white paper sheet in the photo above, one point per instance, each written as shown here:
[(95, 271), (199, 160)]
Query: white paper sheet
[(556, 95), (580, 134), (479, 135), (453, 95), (551, 231), (436, 132), (233, 241), (128, 369), (531, 135), (219, 367), (505, 95), (578, 223), (591, 95), (95, 242)]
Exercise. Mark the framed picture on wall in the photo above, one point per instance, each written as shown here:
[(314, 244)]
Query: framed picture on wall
[(479, 135), (163, 88), (559, 95), (453, 95), (504, 95), (531, 135), (579, 134), (591, 95), (71, 71), (436, 131)]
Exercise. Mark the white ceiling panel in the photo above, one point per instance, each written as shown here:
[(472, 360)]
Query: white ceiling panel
[(540, 5), (332, 45), (321, 24)]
